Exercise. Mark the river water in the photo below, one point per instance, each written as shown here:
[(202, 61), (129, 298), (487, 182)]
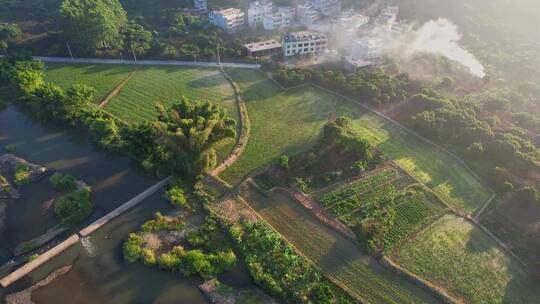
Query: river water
[(98, 274)]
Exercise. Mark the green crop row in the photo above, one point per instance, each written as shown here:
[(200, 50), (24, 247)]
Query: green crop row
[(356, 187)]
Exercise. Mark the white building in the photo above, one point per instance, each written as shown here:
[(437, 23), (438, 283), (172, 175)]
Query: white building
[(353, 64), (307, 14), (304, 43), (387, 18), (277, 21), (231, 19), (350, 21), (327, 7), (391, 10), (282, 18), (367, 48), (257, 11), (200, 5)]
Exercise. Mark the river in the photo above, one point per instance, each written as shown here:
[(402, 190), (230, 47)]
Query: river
[(98, 274)]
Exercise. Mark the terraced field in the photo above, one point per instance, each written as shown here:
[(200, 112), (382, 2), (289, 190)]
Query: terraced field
[(449, 179), (384, 197), (164, 84), (461, 258), (281, 122), (336, 255), (103, 77)]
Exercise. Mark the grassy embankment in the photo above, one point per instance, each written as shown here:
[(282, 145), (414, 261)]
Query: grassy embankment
[(102, 77), (455, 254)]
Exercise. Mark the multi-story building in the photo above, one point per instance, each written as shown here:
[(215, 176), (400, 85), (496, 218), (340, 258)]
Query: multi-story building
[(387, 18), (263, 48), (350, 21), (281, 19), (231, 19), (257, 11), (306, 13), (304, 43), (289, 10), (367, 48), (391, 10), (200, 5), (327, 7)]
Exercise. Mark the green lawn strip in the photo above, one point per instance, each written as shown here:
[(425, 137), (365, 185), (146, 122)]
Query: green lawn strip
[(334, 254), (449, 179), (136, 101), (281, 122), (459, 256), (102, 77)]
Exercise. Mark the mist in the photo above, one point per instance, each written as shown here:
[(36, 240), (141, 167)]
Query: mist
[(441, 37)]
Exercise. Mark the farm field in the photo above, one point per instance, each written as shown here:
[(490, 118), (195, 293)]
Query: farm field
[(449, 179), (336, 255), (383, 195), (168, 84), (281, 122), (460, 257), (285, 122), (103, 77)]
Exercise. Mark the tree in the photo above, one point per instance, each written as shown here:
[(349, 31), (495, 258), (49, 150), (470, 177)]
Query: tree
[(74, 207), (475, 149), (284, 162), (138, 38), (9, 32), (190, 130), (92, 25), (63, 182)]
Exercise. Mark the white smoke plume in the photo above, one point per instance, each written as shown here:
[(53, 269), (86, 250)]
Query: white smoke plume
[(441, 37)]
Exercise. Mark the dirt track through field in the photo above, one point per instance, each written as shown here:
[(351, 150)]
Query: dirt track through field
[(117, 89)]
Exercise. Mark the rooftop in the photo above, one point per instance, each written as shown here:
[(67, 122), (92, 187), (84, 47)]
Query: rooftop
[(303, 35), (262, 45), (229, 11)]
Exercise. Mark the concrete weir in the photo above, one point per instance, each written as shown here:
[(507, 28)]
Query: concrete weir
[(74, 239)]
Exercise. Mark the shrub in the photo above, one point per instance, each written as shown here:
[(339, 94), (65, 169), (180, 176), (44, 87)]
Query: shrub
[(172, 260), (22, 174), (283, 162), (149, 256), (9, 148), (74, 207), (161, 222), (132, 248), (528, 195), (32, 257), (177, 197), (63, 182)]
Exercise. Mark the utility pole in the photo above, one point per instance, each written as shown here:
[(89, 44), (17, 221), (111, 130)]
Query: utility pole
[(133, 51), (69, 50), (218, 57), (121, 56)]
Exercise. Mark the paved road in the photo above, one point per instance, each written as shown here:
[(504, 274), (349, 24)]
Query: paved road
[(149, 62)]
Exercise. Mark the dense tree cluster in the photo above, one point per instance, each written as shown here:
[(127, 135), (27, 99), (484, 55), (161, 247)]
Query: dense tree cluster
[(372, 87), (74, 207), (475, 130), (8, 32), (181, 140), (93, 24)]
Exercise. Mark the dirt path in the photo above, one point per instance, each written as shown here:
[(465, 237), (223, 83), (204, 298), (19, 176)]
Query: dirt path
[(245, 129), (117, 89)]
